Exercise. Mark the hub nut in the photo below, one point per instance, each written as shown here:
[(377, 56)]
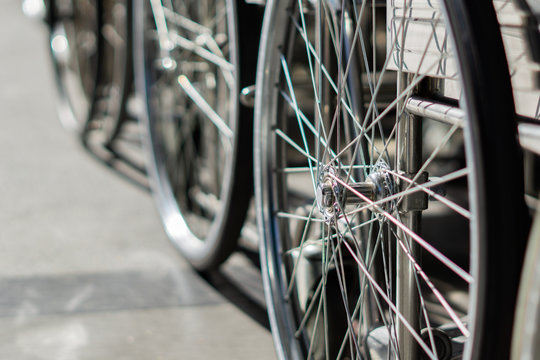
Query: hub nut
[(326, 194)]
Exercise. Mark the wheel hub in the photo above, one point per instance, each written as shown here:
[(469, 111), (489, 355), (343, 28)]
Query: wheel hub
[(332, 195)]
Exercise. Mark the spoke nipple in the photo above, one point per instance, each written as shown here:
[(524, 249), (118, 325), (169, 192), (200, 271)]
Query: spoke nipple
[(168, 64), (247, 96)]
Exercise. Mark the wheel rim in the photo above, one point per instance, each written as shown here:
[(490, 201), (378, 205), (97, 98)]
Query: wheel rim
[(191, 94), (74, 48), (333, 208)]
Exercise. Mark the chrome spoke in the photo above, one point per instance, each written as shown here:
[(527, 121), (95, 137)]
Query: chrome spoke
[(184, 22), (297, 217), (461, 326), (425, 187), (298, 117), (392, 306), (215, 59), (432, 250), (385, 112), (206, 109), (452, 205), (165, 44), (291, 142)]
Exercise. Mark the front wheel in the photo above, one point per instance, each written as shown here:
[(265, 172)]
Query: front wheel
[(388, 180)]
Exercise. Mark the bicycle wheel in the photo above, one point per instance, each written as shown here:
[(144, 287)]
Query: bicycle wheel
[(364, 114), (75, 49), (187, 72)]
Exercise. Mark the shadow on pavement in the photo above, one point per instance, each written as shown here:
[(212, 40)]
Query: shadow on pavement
[(238, 280)]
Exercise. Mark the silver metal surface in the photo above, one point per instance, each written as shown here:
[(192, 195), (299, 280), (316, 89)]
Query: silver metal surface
[(202, 104), (247, 96), (409, 153), (435, 110), (529, 137)]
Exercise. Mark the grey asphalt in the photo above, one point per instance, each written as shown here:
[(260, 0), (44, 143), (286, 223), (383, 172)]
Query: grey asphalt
[(86, 271)]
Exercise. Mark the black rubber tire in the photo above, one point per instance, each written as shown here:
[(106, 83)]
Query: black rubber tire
[(505, 219), (501, 219), (115, 83)]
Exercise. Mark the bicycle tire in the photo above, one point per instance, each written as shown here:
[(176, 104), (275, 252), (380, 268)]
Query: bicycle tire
[(115, 79), (295, 214)]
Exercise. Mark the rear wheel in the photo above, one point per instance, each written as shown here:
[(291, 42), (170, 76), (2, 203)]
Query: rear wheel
[(188, 75), (363, 115)]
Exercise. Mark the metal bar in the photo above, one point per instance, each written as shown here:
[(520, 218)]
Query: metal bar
[(435, 110), (165, 44), (409, 147)]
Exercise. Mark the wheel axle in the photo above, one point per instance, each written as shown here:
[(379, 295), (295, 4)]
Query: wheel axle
[(332, 194)]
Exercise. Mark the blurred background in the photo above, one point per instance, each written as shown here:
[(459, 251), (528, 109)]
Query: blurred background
[(86, 271)]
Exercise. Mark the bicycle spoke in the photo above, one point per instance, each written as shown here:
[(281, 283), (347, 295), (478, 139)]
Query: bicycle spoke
[(298, 117), (202, 52), (382, 294), (203, 105), (425, 187), (436, 253)]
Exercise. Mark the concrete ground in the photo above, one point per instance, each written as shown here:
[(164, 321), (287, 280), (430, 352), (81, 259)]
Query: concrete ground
[(86, 271)]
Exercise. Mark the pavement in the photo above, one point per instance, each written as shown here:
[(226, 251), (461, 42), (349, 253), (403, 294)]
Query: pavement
[(86, 271)]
